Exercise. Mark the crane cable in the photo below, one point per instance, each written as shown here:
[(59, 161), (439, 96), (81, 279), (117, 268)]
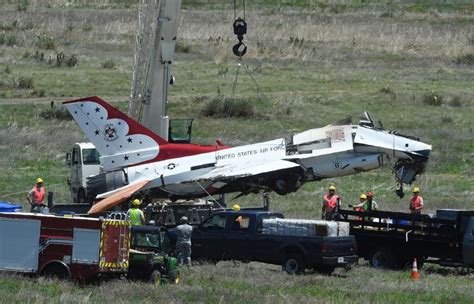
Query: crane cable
[(240, 49)]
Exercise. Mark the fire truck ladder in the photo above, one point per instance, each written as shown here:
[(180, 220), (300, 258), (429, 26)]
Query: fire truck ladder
[(123, 251)]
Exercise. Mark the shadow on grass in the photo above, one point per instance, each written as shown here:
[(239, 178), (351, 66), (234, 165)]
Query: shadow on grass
[(446, 271)]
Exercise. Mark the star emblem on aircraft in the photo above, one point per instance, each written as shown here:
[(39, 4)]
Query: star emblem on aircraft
[(171, 166), (110, 132)]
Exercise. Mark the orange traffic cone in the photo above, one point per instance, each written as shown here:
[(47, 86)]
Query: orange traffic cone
[(414, 271)]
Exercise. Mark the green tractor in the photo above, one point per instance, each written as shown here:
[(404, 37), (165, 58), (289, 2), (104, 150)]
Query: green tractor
[(150, 259)]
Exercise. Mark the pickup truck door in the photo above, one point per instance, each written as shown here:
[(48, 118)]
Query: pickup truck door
[(239, 230), (468, 244), (208, 237)]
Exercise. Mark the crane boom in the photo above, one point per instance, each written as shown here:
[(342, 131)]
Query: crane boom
[(156, 44)]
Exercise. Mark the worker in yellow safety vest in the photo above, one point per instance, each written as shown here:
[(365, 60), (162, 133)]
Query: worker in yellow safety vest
[(134, 214)]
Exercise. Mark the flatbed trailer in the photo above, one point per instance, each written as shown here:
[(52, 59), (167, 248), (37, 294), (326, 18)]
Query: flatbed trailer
[(393, 239)]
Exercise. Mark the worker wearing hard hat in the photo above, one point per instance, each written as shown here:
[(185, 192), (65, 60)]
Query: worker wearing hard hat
[(134, 214), (416, 202), (330, 204), (184, 232), (362, 204), (238, 220), (36, 195), (371, 204)]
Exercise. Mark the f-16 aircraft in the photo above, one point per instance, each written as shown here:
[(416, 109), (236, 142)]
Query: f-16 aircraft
[(134, 158)]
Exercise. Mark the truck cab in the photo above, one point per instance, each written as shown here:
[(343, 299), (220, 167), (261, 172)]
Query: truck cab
[(84, 161)]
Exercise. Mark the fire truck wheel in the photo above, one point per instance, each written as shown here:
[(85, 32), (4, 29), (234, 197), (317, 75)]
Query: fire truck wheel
[(56, 270), (155, 277)]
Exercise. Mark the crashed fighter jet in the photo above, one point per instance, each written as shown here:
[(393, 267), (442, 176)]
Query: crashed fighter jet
[(136, 159)]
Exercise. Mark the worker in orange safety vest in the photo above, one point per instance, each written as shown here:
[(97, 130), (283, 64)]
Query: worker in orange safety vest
[(36, 195), (330, 204), (416, 202)]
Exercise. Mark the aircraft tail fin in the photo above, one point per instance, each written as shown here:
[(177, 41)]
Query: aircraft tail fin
[(120, 140)]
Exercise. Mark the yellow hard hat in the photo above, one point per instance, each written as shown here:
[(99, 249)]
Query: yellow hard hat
[(39, 180), (332, 187), (236, 207), (137, 202), (363, 196), (416, 189)]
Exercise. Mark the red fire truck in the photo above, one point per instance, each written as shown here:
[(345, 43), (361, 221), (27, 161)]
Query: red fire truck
[(66, 247)]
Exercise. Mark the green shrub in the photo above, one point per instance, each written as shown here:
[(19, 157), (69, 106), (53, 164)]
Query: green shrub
[(22, 5), (45, 42), (467, 59), (38, 93), (8, 39), (25, 82), (455, 102), (446, 119), (72, 61), (229, 107), (7, 69), (109, 64), (433, 99), (184, 47), (387, 90), (59, 113)]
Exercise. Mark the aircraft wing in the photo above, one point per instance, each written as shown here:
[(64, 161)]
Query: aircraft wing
[(246, 169), (117, 197)]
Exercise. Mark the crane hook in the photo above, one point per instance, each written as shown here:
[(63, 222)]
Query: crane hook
[(240, 29)]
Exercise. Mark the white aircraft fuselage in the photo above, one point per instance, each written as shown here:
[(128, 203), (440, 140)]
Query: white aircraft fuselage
[(130, 153)]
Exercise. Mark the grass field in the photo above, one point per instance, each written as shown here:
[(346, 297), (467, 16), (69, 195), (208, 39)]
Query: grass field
[(409, 63)]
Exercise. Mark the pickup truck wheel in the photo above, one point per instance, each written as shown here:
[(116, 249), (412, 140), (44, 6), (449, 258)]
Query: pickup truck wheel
[(174, 277), (155, 277), (324, 269), (293, 264), (382, 259)]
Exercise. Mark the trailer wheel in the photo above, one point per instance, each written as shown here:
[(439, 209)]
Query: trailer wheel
[(293, 264), (382, 259), (155, 277), (324, 269), (55, 270)]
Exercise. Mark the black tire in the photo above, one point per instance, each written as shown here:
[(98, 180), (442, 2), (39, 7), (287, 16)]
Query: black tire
[(174, 277), (382, 259), (324, 269), (155, 277), (56, 271), (293, 264), (286, 183)]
